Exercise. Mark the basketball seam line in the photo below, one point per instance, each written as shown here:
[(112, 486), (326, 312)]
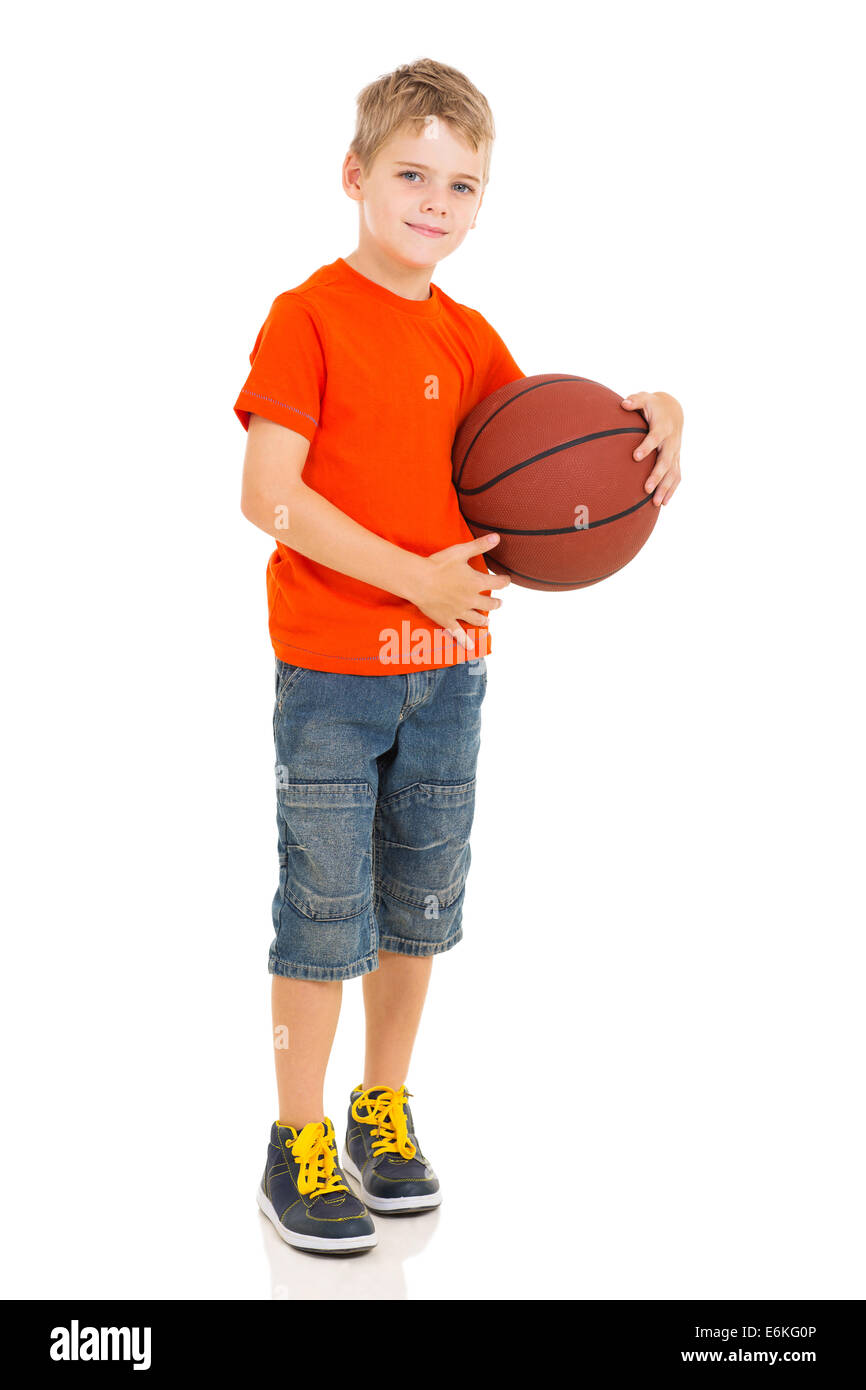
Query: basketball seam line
[(562, 583), (547, 453), (525, 392), (557, 530)]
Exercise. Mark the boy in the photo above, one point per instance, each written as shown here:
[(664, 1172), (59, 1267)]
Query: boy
[(379, 602)]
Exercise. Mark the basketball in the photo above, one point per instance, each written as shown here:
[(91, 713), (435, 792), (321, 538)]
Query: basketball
[(547, 463)]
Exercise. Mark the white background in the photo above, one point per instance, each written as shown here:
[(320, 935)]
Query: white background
[(640, 1074)]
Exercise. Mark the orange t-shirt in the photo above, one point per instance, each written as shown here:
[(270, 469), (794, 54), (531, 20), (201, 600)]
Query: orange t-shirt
[(379, 384)]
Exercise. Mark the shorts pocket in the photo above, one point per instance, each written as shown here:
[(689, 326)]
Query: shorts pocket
[(422, 842), (326, 837), (287, 677)]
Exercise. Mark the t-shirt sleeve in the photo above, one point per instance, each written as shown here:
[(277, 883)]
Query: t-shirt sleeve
[(501, 366), (287, 376)]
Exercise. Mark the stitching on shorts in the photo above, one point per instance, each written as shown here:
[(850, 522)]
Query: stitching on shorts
[(445, 789), (445, 904), (399, 944)]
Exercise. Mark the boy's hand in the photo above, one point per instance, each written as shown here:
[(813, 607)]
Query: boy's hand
[(450, 588), (664, 415)]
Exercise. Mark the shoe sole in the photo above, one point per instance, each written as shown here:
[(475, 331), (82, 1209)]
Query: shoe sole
[(385, 1204), (301, 1242)]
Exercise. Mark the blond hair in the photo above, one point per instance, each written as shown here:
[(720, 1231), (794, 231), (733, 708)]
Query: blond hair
[(406, 99)]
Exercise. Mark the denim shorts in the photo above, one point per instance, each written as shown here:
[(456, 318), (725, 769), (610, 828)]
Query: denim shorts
[(375, 800)]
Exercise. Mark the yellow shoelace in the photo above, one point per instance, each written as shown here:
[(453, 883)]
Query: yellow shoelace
[(315, 1150), (386, 1114)]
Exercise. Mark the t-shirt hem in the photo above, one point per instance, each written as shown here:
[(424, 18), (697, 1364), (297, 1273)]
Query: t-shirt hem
[(250, 403), (373, 665)]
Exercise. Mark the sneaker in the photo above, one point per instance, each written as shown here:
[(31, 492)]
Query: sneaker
[(304, 1194), (383, 1155)]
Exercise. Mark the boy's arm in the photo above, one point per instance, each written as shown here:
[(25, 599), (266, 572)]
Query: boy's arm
[(275, 498)]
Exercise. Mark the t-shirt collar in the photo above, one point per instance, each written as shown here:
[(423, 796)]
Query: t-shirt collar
[(427, 308)]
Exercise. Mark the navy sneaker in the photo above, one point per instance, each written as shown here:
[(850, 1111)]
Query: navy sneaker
[(303, 1192), (382, 1152)]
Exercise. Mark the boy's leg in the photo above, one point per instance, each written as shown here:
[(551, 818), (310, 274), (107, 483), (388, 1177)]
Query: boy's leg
[(423, 822), (393, 1000), (302, 1190), (329, 732), (421, 858), (305, 1014)]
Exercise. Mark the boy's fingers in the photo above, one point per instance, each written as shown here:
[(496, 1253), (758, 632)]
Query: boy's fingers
[(482, 543), (661, 467), (496, 581), (646, 446), (664, 485)]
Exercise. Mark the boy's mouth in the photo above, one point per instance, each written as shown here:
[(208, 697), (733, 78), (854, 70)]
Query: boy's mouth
[(425, 230)]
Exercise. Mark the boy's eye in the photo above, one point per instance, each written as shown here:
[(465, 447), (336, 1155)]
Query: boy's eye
[(404, 172)]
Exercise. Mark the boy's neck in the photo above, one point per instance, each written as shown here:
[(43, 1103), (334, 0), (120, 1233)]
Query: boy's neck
[(411, 282)]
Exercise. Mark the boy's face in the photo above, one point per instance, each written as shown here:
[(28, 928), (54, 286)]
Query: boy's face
[(429, 180)]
